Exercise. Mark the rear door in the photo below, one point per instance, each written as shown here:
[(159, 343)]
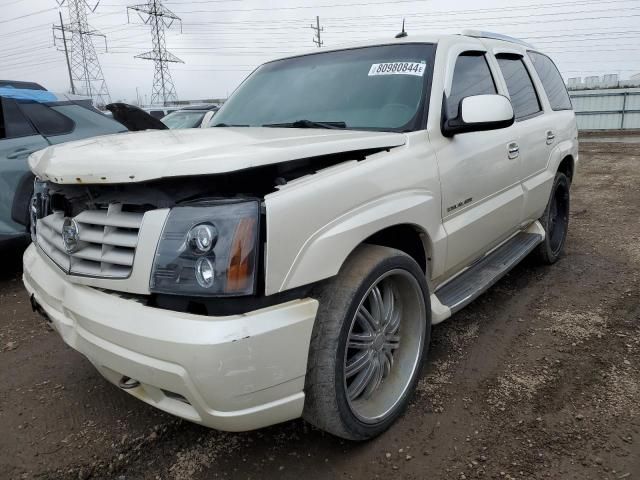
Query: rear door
[(18, 139), (532, 125)]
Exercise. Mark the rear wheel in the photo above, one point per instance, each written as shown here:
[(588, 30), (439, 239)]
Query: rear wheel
[(555, 221), (367, 346)]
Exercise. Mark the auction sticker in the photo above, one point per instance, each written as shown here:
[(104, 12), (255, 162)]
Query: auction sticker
[(398, 68)]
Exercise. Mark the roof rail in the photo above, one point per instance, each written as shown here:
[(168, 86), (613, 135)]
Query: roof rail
[(495, 36)]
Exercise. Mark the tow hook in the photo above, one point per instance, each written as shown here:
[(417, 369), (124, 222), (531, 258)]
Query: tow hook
[(35, 306), (127, 383)]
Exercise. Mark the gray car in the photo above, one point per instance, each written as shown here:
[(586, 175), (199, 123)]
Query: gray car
[(30, 120), (194, 116)]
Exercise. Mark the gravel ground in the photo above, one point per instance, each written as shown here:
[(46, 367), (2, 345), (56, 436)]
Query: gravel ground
[(539, 378)]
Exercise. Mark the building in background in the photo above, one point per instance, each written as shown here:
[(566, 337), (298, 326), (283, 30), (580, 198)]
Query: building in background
[(606, 103)]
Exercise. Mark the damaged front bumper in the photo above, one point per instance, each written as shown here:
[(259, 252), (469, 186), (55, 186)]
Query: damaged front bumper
[(232, 373)]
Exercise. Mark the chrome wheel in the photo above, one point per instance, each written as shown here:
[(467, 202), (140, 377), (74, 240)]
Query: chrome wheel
[(384, 345)]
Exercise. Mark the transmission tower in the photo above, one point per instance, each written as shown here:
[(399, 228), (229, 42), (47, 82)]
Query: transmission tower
[(159, 17), (86, 73)]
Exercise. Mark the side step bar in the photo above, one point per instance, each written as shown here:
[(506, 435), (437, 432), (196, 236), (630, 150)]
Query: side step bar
[(478, 278)]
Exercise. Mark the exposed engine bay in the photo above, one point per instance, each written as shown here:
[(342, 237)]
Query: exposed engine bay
[(165, 193)]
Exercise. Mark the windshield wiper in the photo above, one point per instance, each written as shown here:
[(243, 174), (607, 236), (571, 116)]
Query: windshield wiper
[(307, 124), (227, 125)]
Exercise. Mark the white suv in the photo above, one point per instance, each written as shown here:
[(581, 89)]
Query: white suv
[(291, 260)]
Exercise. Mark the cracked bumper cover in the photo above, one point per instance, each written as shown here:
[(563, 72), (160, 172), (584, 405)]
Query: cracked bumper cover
[(232, 373)]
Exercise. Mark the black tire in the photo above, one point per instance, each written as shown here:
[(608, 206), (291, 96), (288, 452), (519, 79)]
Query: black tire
[(327, 405), (555, 221)]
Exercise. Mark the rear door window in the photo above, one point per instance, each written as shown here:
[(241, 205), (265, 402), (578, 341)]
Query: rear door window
[(520, 86), (13, 123), (46, 120), (551, 81), (471, 76)]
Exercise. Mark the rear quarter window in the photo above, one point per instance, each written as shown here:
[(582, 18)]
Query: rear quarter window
[(46, 120), (551, 81), (86, 118)]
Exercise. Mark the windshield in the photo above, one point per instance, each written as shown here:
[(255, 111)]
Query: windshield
[(372, 88), (184, 119)]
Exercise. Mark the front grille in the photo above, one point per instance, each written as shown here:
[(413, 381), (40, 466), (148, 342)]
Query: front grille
[(108, 239)]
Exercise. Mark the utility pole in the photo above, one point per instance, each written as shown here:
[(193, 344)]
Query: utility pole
[(66, 51), (317, 40), (160, 18), (85, 72)]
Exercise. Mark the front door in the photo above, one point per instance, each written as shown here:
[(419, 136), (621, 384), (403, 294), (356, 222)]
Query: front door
[(479, 173)]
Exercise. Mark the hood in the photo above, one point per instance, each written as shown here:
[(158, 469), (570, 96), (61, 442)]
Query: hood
[(142, 156)]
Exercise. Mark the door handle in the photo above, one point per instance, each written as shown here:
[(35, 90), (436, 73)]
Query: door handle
[(514, 150), (20, 152), (550, 137)]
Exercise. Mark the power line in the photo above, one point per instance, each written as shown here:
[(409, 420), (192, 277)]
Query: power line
[(10, 3), (21, 53), (25, 30), (28, 15), (447, 24), (410, 14), (301, 7), (477, 11)]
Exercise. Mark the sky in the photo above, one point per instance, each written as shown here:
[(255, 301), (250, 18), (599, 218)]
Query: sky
[(222, 41)]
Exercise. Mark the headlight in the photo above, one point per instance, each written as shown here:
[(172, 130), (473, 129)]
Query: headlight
[(38, 206), (202, 238), (33, 218), (208, 249)]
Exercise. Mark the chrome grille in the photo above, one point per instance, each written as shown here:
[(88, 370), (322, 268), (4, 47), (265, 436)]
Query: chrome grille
[(108, 239)]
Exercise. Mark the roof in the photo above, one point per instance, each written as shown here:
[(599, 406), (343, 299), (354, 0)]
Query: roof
[(495, 36), (476, 35), (21, 84), (38, 95)]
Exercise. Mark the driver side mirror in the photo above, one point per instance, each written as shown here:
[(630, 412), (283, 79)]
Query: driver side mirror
[(478, 113)]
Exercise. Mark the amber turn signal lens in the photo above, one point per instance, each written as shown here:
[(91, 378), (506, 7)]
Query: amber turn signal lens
[(242, 258)]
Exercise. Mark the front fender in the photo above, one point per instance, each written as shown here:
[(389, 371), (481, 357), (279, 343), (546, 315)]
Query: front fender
[(322, 255), (315, 222)]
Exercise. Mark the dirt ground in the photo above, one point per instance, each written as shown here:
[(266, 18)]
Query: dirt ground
[(539, 378)]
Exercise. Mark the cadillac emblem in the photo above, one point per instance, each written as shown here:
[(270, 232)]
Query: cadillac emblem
[(70, 235)]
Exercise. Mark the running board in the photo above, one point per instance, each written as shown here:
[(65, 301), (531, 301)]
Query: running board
[(478, 278)]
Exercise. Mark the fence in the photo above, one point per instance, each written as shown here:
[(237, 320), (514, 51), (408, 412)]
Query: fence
[(607, 109)]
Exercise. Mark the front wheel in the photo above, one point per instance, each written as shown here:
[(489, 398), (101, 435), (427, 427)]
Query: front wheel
[(372, 329), (555, 221)]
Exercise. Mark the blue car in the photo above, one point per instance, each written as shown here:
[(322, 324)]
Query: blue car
[(32, 118)]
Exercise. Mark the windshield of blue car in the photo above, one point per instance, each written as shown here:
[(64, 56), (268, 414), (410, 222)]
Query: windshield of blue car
[(371, 88), (184, 119)]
